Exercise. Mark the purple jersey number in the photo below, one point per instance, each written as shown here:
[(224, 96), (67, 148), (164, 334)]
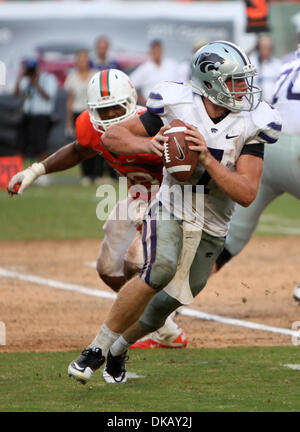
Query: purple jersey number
[(290, 94), (205, 178)]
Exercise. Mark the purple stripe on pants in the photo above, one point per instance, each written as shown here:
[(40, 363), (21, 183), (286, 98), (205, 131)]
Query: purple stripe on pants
[(153, 249), (144, 246), (151, 230)]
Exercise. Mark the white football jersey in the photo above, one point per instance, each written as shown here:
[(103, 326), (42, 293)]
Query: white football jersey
[(287, 96), (225, 141)]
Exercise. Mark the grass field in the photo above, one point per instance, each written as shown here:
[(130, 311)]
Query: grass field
[(192, 380), (67, 210)]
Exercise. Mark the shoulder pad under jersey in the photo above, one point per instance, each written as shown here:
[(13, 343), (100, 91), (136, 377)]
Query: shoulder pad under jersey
[(265, 125), (166, 94), (85, 132)]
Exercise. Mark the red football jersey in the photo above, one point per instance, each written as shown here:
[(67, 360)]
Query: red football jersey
[(145, 169)]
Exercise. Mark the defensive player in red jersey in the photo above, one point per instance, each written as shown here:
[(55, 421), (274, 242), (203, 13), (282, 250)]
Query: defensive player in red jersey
[(111, 98)]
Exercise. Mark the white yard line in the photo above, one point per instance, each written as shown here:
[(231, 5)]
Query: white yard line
[(292, 366), (134, 375), (237, 322), (278, 220), (279, 229), (272, 223), (55, 284), (50, 283)]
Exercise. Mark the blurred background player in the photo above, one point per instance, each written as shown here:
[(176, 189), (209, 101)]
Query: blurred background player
[(281, 171), (39, 90), (156, 69), (111, 99), (267, 66), (76, 85)]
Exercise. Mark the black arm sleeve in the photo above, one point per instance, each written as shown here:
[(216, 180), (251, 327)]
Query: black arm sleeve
[(254, 149), (152, 123), (223, 258)]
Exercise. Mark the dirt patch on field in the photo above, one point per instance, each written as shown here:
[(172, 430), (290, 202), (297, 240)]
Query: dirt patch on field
[(257, 286)]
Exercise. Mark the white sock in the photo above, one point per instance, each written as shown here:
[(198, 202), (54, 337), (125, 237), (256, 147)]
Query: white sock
[(104, 339), (119, 346)]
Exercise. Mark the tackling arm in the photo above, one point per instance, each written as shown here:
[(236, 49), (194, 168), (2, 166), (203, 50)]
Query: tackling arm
[(66, 157), (131, 137)]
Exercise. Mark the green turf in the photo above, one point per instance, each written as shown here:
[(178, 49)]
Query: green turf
[(281, 217), (52, 212), (285, 206), (233, 379), (68, 210)]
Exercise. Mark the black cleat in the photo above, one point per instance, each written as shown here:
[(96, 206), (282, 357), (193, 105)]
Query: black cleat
[(115, 370), (86, 364)]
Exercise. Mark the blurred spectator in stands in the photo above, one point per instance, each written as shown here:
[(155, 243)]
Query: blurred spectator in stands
[(39, 90), (267, 66), (184, 68), (291, 55), (154, 70), (76, 87), (103, 59)]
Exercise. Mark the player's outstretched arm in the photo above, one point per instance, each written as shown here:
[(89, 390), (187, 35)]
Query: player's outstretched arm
[(23, 179), (65, 158)]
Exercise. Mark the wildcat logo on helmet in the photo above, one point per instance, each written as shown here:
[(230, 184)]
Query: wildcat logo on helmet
[(217, 68), (209, 61)]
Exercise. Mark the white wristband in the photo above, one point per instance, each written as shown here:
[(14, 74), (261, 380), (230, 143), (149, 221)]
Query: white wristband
[(38, 169)]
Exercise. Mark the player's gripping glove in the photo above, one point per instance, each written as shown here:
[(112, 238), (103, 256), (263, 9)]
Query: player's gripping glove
[(20, 181)]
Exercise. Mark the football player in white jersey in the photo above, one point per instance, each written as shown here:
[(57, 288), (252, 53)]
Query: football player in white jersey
[(281, 172), (228, 125)]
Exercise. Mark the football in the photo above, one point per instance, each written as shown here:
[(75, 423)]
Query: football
[(178, 159)]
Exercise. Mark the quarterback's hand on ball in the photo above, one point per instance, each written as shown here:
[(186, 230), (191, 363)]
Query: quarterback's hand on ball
[(158, 141), (197, 143), (20, 181)]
